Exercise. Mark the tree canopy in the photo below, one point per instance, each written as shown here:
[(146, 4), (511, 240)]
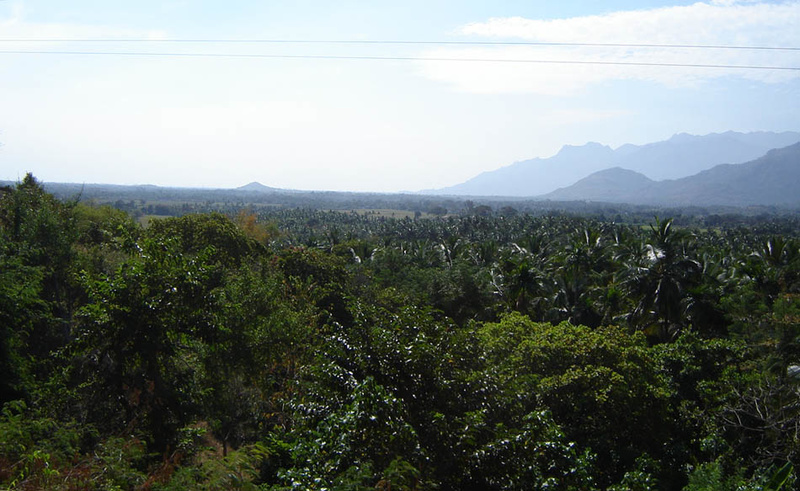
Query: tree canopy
[(284, 349)]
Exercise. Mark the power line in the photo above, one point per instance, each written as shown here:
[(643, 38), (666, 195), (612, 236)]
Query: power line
[(379, 42), (399, 58)]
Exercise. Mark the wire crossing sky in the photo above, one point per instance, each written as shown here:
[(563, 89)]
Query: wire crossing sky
[(381, 97), (350, 41), (394, 58)]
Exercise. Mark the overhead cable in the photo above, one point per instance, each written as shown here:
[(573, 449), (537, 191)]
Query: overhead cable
[(400, 58), (368, 42)]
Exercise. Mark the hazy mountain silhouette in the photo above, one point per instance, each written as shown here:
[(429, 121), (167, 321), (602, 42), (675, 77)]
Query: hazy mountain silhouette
[(537, 176), (610, 185), (257, 187), (681, 156), (684, 155), (773, 179)]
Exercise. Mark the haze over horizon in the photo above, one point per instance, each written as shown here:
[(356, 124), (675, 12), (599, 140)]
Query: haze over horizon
[(319, 116)]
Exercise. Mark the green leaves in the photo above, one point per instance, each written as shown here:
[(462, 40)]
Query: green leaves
[(137, 332), (403, 354), (596, 383), (196, 233)]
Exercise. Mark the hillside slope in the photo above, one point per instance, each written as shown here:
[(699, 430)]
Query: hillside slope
[(681, 156), (773, 179)]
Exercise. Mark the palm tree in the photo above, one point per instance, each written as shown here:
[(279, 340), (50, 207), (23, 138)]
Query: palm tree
[(778, 266), (582, 277), (659, 281), (525, 280)]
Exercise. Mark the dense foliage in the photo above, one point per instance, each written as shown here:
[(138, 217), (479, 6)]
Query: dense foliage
[(488, 349)]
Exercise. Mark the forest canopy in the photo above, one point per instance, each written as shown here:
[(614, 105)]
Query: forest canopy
[(284, 348)]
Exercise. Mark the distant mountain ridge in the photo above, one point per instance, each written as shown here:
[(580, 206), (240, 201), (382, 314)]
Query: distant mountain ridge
[(771, 180), (608, 185), (537, 176), (256, 187), (682, 155)]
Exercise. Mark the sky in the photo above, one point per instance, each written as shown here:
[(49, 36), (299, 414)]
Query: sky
[(138, 104)]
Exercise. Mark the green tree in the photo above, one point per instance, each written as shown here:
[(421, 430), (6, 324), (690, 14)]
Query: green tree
[(597, 383), (659, 280), (139, 340), (21, 308), (194, 233), (37, 235)]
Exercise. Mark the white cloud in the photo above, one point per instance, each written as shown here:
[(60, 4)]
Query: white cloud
[(721, 22), (17, 27)]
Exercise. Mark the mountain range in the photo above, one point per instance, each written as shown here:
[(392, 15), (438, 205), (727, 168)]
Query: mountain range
[(773, 179), (681, 156)]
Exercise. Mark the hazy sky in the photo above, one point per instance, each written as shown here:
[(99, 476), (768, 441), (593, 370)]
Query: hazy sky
[(372, 125)]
